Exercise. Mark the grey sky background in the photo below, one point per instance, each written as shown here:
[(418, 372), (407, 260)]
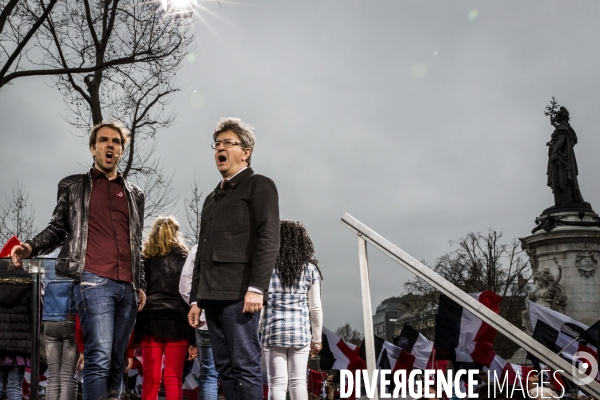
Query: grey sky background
[(423, 119)]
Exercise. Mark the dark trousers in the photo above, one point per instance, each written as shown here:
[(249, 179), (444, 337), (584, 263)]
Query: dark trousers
[(236, 350)]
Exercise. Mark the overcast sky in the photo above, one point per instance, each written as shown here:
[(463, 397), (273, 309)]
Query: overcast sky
[(423, 119)]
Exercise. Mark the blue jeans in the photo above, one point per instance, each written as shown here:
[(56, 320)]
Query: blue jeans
[(107, 311), (234, 339), (14, 382), (208, 385)]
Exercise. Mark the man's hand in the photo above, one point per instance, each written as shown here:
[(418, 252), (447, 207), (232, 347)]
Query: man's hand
[(253, 302), (194, 316), (20, 251), (192, 352), (128, 365), (142, 299), (80, 363)]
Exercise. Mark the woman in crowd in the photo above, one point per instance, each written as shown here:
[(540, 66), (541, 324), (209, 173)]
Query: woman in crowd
[(208, 384), (162, 326), (15, 328), (293, 308), (59, 332)]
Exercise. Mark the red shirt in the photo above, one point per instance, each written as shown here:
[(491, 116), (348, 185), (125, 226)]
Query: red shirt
[(108, 246)]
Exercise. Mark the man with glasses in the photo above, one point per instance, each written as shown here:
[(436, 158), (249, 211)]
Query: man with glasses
[(237, 250)]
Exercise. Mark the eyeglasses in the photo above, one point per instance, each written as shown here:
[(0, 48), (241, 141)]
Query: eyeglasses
[(227, 143)]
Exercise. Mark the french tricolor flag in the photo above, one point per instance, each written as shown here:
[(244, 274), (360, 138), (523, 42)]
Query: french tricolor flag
[(557, 332), (460, 335), (337, 354), (417, 351), (503, 371)]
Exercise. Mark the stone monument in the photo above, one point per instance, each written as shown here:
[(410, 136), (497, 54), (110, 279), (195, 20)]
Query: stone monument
[(565, 244)]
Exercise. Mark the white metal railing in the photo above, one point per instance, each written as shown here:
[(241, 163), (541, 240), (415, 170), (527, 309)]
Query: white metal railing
[(366, 234)]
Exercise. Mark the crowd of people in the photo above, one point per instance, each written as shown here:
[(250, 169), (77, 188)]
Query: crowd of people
[(249, 290)]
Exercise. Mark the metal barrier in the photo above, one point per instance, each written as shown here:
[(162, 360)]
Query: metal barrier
[(366, 234)]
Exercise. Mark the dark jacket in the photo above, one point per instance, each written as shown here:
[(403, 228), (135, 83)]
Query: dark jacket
[(69, 225), (239, 239), (15, 311), (165, 312)]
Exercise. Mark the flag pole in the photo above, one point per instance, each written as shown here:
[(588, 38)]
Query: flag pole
[(365, 288), (570, 343)]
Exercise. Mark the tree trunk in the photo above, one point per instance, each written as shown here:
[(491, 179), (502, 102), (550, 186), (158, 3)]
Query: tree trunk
[(92, 83)]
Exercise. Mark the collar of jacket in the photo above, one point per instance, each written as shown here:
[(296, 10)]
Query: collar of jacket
[(233, 182), (94, 173)]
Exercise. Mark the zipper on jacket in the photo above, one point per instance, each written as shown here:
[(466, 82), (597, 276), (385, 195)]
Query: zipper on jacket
[(87, 224), (129, 201)]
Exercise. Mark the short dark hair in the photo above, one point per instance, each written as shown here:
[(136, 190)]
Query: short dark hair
[(117, 126), (240, 128)]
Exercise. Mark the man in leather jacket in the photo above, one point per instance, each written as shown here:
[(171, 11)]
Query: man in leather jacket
[(237, 250), (99, 220)]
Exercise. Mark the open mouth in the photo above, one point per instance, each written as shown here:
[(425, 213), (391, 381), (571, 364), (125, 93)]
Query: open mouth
[(109, 156), (222, 158)]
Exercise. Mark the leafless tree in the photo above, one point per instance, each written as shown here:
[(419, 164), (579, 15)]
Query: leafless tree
[(347, 334), (141, 50), (17, 217), (150, 176), (20, 20), (481, 262), (193, 211)]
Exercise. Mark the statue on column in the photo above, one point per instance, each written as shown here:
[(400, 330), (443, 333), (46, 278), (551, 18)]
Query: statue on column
[(562, 165)]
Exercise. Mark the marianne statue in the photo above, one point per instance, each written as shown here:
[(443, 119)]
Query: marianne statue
[(562, 165)]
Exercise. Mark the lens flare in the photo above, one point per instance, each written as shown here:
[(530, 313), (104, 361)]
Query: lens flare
[(473, 14), (191, 57), (419, 70), (197, 101)]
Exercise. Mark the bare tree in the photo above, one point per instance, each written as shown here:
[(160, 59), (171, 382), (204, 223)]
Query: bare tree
[(481, 262), (347, 334), (419, 310), (193, 211), (19, 23), (150, 176), (141, 50), (17, 217)]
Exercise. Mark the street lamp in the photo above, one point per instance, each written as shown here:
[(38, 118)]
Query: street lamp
[(179, 8)]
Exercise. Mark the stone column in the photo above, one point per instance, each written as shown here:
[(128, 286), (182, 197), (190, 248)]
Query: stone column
[(570, 239)]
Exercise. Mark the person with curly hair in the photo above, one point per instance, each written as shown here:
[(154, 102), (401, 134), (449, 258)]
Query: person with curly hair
[(162, 326), (293, 308)]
